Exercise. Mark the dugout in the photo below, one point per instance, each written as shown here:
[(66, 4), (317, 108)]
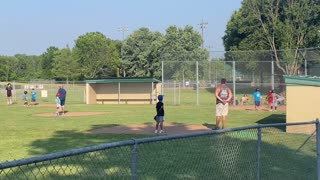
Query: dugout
[(302, 101), (122, 91)]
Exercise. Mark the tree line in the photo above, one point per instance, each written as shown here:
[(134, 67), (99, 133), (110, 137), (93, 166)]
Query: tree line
[(96, 56)]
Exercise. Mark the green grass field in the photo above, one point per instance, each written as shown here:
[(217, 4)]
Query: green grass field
[(24, 135)]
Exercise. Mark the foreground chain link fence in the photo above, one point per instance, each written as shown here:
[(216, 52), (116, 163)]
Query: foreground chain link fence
[(273, 151)]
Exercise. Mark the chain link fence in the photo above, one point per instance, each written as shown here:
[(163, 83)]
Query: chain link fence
[(253, 152), (46, 91), (185, 81)]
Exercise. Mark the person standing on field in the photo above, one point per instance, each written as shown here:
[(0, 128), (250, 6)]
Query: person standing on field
[(33, 97), (257, 99), (9, 93), (58, 104), (63, 94), (223, 96), (160, 115)]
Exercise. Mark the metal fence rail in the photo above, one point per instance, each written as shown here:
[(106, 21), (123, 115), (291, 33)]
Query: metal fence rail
[(254, 152)]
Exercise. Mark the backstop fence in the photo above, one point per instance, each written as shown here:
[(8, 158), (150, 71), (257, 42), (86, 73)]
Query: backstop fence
[(184, 79), (267, 151)]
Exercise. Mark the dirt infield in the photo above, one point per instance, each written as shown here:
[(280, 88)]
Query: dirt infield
[(251, 108), (148, 128), (170, 128)]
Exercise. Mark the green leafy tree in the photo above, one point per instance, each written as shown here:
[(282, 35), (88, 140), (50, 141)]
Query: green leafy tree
[(183, 45), (97, 55), (139, 53), (65, 67), (28, 67), (273, 25), (8, 65), (47, 62)]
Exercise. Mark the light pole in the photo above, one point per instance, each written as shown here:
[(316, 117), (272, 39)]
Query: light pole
[(123, 29), (203, 26)]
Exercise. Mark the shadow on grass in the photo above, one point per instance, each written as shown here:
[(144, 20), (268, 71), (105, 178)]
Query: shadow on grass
[(209, 126), (273, 119), (219, 156)]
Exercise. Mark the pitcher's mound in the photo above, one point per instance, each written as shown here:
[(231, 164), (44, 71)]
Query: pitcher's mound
[(70, 114)]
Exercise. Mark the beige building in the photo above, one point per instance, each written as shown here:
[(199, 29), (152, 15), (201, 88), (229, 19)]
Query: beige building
[(122, 91), (302, 98)]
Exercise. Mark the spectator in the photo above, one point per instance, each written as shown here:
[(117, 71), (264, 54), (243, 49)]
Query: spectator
[(9, 91), (244, 99), (223, 96)]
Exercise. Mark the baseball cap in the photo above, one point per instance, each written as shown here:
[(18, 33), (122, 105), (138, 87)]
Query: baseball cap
[(160, 97)]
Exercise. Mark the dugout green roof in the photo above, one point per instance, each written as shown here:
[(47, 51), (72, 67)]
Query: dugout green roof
[(123, 80), (302, 81)]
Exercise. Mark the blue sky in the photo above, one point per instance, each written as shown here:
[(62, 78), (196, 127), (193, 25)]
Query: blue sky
[(30, 27)]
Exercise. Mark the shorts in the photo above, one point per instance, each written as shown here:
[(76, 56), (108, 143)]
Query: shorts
[(257, 103), (275, 103), (222, 110), (160, 118), (62, 102)]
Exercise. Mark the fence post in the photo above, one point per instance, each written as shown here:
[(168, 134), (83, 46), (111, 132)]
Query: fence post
[(197, 74), (234, 82), (162, 77), (134, 158), (272, 74), (259, 154), (318, 148)]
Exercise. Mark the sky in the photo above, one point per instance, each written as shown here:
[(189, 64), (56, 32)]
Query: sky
[(30, 27)]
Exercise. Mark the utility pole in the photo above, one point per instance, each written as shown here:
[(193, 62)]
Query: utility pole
[(203, 26), (123, 29)]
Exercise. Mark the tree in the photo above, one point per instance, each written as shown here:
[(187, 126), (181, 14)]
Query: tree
[(7, 66), (97, 55), (28, 67), (274, 25), (65, 67), (183, 45), (139, 54), (47, 62)]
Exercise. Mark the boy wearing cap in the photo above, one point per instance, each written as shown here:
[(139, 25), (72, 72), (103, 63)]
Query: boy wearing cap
[(257, 99), (160, 115)]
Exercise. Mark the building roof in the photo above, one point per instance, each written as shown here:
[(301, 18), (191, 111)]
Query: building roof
[(123, 80), (302, 81)]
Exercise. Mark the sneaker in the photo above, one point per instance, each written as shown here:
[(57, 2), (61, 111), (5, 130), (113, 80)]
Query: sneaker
[(156, 131), (161, 131)]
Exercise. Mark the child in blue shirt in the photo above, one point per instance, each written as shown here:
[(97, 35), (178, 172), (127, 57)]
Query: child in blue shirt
[(33, 97), (257, 99)]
